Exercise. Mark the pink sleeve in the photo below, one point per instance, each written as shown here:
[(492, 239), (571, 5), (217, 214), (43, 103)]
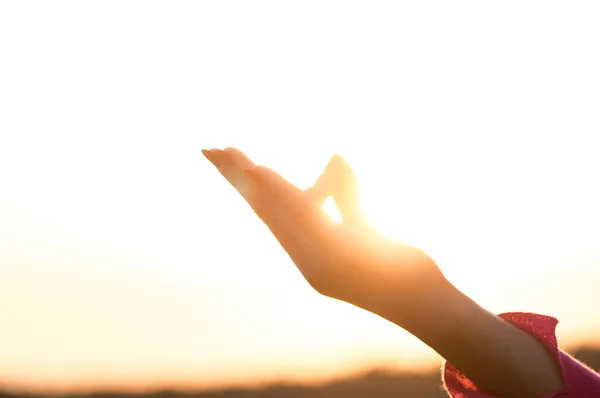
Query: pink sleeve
[(579, 380)]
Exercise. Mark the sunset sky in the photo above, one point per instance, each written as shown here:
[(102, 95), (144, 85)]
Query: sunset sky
[(127, 261)]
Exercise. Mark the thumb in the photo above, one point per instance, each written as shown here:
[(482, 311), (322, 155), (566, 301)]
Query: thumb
[(339, 181)]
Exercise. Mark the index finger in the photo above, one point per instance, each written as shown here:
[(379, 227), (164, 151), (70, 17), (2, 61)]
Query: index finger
[(294, 205)]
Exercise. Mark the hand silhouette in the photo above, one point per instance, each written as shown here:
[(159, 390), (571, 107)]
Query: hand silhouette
[(349, 261)]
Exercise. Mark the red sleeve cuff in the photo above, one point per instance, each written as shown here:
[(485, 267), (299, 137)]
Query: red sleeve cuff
[(579, 380)]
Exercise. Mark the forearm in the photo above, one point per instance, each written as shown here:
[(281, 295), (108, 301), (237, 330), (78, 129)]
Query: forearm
[(499, 358)]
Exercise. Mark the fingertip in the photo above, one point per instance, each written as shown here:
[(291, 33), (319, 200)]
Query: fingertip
[(208, 154), (211, 156), (338, 159)]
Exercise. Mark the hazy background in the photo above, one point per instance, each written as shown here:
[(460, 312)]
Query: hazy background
[(127, 262)]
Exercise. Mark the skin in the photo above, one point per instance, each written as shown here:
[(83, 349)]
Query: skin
[(351, 261)]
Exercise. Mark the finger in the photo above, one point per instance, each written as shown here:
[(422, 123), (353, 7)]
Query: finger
[(287, 193), (340, 182), (323, 185), (345, 190), (230, 163), (317, 193), (292, 234), (211, 156), (239, 158), (231, 160), (274, 207), (329, 182), (295, 206)]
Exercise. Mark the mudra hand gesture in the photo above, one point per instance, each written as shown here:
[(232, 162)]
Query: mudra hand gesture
[(349, 261)]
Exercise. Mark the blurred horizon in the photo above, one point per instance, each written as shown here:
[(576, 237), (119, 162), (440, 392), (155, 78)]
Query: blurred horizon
[(424, 384), (127, 261)]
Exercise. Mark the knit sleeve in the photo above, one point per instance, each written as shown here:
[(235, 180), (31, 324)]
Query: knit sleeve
[(579, 380)]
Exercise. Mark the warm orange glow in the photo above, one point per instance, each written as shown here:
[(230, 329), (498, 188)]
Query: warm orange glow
[(127, 261)]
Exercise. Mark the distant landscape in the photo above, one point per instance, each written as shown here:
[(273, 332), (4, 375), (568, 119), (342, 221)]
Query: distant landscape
[(370, 385)]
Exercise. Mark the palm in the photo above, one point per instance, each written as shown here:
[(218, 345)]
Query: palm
[(347, 260)]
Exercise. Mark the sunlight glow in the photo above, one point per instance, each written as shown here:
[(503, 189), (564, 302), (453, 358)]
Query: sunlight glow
[(125, 258), (329, 207)]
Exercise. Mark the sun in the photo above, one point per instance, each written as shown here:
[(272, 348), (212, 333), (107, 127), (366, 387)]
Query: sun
[(331, 209)]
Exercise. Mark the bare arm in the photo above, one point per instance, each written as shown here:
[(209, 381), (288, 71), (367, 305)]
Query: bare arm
[(499, 358), (352, 262)]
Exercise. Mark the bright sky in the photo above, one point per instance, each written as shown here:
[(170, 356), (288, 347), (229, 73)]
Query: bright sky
[(127, 261)]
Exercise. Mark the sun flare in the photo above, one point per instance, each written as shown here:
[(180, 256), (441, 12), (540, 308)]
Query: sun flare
[(124, 255)]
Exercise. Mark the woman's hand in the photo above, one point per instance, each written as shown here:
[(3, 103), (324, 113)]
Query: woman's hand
[(352, 262), (349, 261)]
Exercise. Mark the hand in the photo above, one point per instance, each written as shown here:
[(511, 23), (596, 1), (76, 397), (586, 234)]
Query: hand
[(349, 261)]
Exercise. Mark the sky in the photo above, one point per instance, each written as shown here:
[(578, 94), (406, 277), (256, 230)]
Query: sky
[(126, 261)]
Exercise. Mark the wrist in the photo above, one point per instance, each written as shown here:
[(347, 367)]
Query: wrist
[(434, 304), (445, 317)]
